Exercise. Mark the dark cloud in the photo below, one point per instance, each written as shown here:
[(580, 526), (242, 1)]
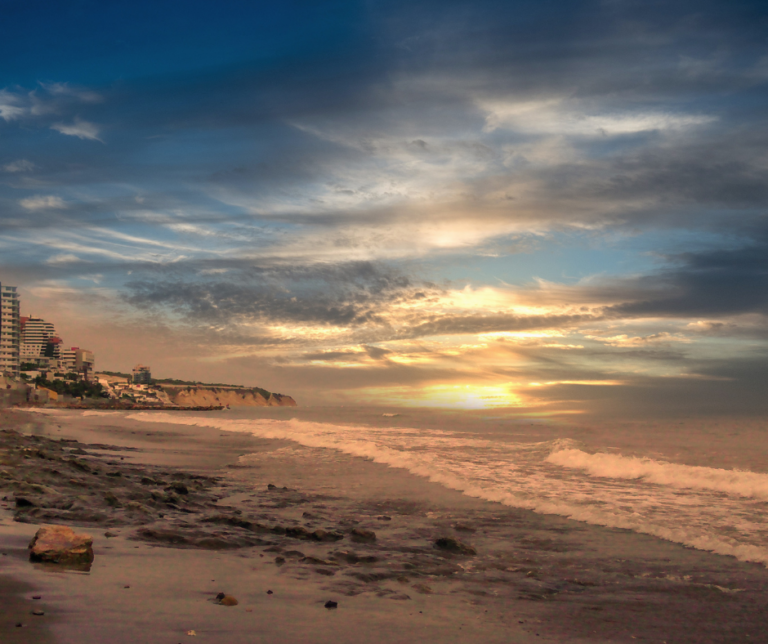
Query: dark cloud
[(377, 353), (349, 294), (703, 284)]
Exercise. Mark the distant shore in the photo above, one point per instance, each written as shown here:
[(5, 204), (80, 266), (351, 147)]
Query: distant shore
[(190, 519)]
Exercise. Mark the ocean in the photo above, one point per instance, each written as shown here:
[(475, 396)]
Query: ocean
[(704, 485)]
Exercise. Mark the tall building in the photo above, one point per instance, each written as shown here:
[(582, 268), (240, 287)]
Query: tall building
[(9, 330), (38, 340), (142, 375)]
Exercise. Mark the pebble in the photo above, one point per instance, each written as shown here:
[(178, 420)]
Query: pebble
[(38, 613), (226, 600)]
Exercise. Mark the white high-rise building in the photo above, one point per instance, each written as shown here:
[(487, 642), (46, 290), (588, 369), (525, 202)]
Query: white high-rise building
[(9, 330), (38, 339)]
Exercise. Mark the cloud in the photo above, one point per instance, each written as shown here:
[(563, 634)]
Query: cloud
[(64, 258), (42, 202), (79, 128), (21, 165), (558, 117), (624, 340), (10, 108), (348, 294), (709, 283)]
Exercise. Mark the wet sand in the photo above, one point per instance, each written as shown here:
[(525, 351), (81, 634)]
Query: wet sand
[(534, 577)]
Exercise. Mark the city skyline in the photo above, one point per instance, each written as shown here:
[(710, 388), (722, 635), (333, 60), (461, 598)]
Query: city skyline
[(559, 208)]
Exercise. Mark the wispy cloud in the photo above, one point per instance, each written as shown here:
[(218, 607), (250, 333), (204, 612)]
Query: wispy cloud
[(43, 202), (79, 128), (64, 258), (21, 165), (10, 106)]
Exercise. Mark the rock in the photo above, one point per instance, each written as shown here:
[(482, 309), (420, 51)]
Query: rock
[(112, 500), (269, 592), (363, 536), (449, 544), (110, 535), (323, 535), (317, 562), (271, 487), (384, 517), (226, 600), (39, 613), (297, 532), (422, 588), (279, 561), (294, 554), (179, 488), (24, 502), (463, 527), (331, 604), (59, 544), (135, 506)]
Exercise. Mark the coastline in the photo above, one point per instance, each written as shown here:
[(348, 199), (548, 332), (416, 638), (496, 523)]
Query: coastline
[(535, 578)]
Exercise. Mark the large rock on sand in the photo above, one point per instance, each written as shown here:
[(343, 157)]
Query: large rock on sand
[(59, 544)]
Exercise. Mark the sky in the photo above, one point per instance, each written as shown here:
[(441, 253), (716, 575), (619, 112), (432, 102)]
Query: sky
[(549, 208)]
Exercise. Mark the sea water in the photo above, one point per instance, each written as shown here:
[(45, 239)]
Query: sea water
[(663, 480)]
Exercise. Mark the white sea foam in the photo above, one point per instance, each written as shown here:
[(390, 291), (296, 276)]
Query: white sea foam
[(717, 511), (747, 484)]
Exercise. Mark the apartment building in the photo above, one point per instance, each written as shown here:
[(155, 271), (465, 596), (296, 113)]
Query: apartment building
[(38, 340), (9, 330), (142, 375), (76, 359)]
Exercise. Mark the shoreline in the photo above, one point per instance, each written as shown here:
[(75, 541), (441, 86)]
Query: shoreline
[(565, 581)]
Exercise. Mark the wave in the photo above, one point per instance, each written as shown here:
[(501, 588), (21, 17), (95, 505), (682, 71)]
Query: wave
[(532, 490), (737, 482)]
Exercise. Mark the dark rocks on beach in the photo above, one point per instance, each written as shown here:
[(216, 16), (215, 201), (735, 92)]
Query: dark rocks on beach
[(363, 536), (449, 544), (179, 488), (325, 571), (323, 535), (294, 554), (112, 500), (297, 532), (60, 544)]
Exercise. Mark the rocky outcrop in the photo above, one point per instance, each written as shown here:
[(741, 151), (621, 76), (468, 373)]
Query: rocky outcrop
[(59, 544), (231, 396)]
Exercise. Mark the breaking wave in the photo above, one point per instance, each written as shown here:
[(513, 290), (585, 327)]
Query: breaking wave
[(717, 512), (741, 483)]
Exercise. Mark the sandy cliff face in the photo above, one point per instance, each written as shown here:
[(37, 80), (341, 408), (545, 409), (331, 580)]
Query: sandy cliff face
[(234, 397)]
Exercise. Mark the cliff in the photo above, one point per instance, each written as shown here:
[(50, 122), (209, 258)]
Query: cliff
[(233, 396)]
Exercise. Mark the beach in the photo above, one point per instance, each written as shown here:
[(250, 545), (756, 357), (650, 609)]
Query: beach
[(260, 516)]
